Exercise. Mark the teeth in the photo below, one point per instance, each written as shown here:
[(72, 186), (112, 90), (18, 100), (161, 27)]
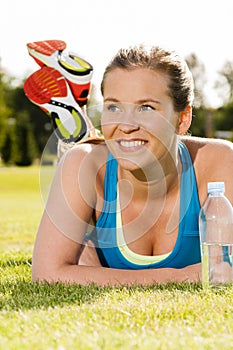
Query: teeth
[(132, 143)]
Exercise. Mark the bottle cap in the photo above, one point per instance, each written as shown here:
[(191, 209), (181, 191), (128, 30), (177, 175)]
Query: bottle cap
[(216, 186)]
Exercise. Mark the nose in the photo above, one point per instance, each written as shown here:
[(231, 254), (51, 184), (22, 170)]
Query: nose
[(128, 123)]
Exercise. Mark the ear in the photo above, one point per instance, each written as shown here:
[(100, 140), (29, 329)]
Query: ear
[(184, 122)]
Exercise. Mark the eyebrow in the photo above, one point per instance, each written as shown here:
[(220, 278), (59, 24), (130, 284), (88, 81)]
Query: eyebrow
[(112, 99)]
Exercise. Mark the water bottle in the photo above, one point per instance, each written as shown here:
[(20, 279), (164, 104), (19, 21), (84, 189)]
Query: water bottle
[(216, 237)]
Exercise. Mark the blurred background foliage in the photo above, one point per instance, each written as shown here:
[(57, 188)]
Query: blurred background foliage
[(25, 128)]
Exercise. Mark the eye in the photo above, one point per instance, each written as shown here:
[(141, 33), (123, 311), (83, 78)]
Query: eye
[(112, 107), (146, 107)]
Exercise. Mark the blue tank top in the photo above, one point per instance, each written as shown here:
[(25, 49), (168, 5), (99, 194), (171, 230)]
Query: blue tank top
[(108, 237)]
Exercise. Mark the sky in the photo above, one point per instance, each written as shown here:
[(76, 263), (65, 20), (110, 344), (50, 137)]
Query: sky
[(96, 29)]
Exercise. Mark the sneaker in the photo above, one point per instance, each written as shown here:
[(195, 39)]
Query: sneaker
[(48, 89), (76, 70)]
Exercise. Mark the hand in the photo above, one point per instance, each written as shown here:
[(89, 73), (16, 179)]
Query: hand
[(221, 273), (191, 273)]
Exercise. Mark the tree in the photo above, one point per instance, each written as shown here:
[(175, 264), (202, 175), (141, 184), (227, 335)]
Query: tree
[(197, 69), (223, 118), (9, 148), (37, 119), (199, 122), (4, 110), (26, 145), (224, 84)]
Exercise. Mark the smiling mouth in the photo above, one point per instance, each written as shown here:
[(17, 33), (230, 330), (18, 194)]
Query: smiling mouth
[(133, 144)]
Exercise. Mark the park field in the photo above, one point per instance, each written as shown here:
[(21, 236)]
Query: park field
[(62, 317)]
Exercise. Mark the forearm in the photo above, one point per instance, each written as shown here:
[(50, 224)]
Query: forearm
[(85, 275)]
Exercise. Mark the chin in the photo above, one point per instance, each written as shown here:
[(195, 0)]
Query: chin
[(128, 164)]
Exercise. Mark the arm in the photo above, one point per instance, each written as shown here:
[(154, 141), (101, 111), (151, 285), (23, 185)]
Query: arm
[(55, 260), (59, 264)]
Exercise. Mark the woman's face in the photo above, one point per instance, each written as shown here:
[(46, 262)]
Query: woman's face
[(139, 122)]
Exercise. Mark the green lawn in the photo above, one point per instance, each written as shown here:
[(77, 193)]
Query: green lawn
[(41, 316)]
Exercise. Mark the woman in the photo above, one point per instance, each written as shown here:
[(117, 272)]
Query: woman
[(140, 192)]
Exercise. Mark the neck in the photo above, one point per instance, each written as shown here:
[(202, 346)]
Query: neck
[(157, 180)]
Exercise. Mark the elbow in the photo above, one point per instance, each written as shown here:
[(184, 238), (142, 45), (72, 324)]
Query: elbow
[(40, 274), (43, 274), (39, 277), (43, 270)]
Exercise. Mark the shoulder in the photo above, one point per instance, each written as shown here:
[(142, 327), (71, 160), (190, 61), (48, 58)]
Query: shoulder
[(213, 161), (83, 167), (200, 148), (85, 162), (88, 154)]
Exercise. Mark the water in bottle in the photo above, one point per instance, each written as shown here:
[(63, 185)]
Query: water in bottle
[(216, 236)]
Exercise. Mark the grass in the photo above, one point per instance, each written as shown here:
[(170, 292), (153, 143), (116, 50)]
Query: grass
[(42, 316)]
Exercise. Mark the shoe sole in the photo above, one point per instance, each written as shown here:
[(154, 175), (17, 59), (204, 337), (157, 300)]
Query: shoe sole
[(48, 89), (47, 48), (76, 70)]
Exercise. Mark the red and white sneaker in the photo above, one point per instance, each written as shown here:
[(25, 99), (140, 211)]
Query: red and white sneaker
[(76, 71), (48, 89)]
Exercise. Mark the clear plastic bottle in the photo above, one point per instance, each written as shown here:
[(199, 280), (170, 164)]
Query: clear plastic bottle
[(216, 236)]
